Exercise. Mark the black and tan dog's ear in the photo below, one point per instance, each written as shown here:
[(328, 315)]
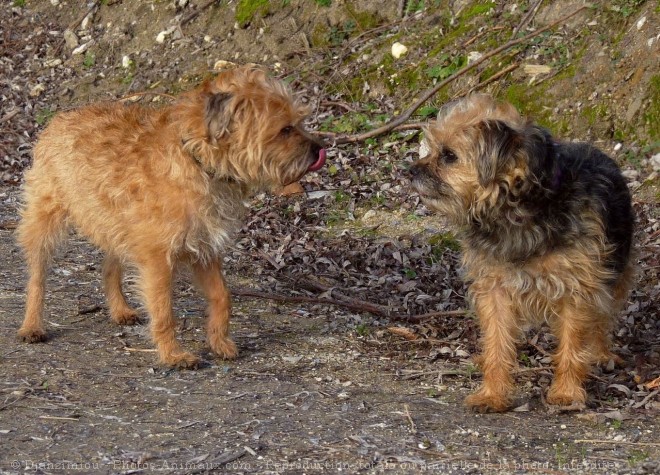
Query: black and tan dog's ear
[(217, 115), (498, 145)]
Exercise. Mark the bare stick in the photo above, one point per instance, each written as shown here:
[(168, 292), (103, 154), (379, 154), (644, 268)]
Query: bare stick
[(431, 92), (527, 18)]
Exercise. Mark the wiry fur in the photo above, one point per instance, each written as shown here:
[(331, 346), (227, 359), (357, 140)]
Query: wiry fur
[(546, 229), (161, 187)]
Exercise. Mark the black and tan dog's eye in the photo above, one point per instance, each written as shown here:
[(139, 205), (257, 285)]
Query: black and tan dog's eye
[(447, 156), (286, 130)]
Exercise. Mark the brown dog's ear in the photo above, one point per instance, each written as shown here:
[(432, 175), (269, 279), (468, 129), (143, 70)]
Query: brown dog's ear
[(217, 115), (498, 145)]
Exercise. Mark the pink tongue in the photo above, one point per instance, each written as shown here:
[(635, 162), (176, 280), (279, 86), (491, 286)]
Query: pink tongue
[(317, 165)]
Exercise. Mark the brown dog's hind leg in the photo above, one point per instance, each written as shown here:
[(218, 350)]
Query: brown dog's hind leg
[(210, 279), (120, 311), (40, 230)]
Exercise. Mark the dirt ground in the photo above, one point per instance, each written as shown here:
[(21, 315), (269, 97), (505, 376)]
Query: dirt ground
[(319, 388), (306, 395)]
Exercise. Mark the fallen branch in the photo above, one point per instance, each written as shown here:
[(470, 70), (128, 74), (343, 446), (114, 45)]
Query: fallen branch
[(355, 306), (344, 301), (493, 78), (397, 121)]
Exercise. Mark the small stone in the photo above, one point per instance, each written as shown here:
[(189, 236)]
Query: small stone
[(55, 3), (630, 175), (70, 39), (207, 38), (82, 48), (655, 162), (53, 63), (640, 23), (126, 62), (399, 50), (617, 147), (369, 215), (222, 64), (160, 38), (474, 56), (37, 90)]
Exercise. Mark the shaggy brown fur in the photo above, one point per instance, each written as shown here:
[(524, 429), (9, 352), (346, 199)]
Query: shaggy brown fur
[(156, 188), (546, 230)]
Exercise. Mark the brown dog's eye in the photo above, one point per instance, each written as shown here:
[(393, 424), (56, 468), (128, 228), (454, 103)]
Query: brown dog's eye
[(448, 156), (286, 130)]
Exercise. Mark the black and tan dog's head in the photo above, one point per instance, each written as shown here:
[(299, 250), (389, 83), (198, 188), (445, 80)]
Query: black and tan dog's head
[(481, 158)]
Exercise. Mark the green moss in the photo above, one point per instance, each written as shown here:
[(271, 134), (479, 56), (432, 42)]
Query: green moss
[(652, 113), (594, 114), (365, 20), (531, 102), (320, 35), (246, 10), (442, 242), (479, 9)]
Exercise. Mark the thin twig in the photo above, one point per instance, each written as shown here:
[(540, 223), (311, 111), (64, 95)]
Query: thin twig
[(647, 399), (400, 119), (55, 418), (146, 93), (413, 427), (527, 19), (354, 305), (426, 316), (493, 78), (622, 442), (9, 115)]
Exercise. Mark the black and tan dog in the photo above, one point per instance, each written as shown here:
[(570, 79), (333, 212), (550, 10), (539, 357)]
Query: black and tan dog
[(546, 229)]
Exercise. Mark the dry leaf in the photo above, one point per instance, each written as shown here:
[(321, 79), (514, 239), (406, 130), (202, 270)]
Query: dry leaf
[(294, 188), (403, 332)]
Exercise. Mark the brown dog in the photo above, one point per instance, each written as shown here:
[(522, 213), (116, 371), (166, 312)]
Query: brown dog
[(546, 230), (156, 188)]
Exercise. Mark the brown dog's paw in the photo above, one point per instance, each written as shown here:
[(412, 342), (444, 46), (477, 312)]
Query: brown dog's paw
[(223, 347), (127, 317), (482, 402), (566, 395), (183, 360), (32, 335)]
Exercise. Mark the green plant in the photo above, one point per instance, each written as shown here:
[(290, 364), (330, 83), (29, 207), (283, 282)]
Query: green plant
[(637, 456), (89, 60), (415, 6), (362, 329), (44, 115), (446, 67), (342, 197), (19, 3), (339, 34), (323, 3), (410, 273), (427, 111)]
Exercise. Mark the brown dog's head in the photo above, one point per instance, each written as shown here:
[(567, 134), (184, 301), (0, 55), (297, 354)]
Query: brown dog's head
[(482, 158), (246, 126)]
